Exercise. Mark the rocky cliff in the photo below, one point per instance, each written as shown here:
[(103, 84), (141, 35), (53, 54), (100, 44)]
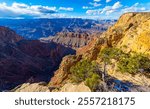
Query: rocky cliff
[(10, 36), (71, 39), (27, 61), (131, 32), (124, 44)]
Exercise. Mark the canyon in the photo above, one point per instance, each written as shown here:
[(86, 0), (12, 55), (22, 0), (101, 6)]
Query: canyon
[(116, 60)]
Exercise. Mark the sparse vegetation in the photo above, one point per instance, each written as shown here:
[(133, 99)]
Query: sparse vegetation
[(87, 71), (134, 64), (130, 63), (93, 82), (110, 53)]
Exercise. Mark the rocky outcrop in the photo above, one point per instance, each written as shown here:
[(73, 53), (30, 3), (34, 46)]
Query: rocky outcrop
[(130, 34), (10, 36), (69, 87), (21, 60), (62, 74), (42, 87), (34, 87)]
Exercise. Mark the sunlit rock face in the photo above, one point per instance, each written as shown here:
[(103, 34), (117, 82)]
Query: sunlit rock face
[(131, 35)]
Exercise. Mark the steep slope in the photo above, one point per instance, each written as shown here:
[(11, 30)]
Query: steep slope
[(32, 87), (125, 44), (131, 32), (27, 61), (10, 36)]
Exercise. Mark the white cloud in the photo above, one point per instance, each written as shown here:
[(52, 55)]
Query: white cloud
[(107, 1), (66, 9), (24, 10), (135, 8), (97, 0), (93, 12), (87, 7), (116, 5), (106, 10), (95, 4)]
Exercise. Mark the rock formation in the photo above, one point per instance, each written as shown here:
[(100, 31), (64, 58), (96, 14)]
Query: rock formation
[(71, 39), (131, 35), (21, 60)]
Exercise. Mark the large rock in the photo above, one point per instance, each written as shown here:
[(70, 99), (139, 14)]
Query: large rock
[(34, 87), (69, 87)]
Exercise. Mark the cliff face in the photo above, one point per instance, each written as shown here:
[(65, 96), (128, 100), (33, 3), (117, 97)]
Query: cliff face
[(27, 61), (10, 36), (71, 39), (130, 34)]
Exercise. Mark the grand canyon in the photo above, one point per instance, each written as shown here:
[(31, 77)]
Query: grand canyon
[(75, 54), (50, 64)]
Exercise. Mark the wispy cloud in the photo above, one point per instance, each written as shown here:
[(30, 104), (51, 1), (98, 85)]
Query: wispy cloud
[(118, 9), (93, 12), (107, 1), (136, 8), (117, 5), (87, 7), (97, 0), (66, 9), (106, 10), (95, 4)]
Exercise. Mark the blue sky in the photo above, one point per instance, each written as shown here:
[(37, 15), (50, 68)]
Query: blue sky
[(91, 9)]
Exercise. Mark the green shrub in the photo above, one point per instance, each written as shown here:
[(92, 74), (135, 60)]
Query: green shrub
[(126, 62), (110, 53), (134, 63), (129, 65), (87, 71), (93, 82)]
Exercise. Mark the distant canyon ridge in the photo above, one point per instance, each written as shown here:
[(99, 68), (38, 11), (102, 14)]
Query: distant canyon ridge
[(70, 32)]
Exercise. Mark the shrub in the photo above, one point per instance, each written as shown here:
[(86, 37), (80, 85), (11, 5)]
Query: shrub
[(110, 53), (129, 65), (126, 62), (134, 63), (87, 71), (93, 82)]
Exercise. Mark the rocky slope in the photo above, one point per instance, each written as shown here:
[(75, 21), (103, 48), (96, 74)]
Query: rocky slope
[(27, 61), (42, 87), (32, 87), (71, 39), (131, 32), (130, 35), (10, 36)]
